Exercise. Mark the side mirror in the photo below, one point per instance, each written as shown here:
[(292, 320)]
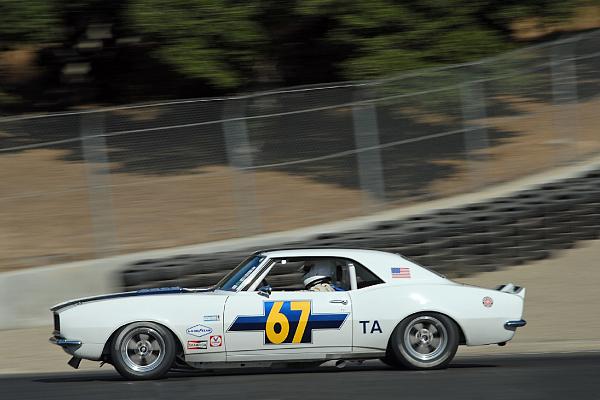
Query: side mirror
[(264, 291)]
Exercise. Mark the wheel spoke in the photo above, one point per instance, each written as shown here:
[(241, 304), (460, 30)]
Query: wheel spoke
[(423, 348), (433, 329), (136, 358), (413, 339), (154, 345)]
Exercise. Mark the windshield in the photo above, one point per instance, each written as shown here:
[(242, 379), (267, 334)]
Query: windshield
[(234, 279)]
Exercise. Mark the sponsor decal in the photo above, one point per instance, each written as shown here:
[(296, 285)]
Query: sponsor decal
[(287, 322), (216, 341), (212, 318), (199, 330), (400, 272), (487, 301), (197, 344), (370, 327)]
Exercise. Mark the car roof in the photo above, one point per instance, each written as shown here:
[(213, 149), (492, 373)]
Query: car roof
[(379, 262), (318, 252)]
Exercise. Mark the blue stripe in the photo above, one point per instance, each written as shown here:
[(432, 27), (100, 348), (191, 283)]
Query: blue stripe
[(141, 292)]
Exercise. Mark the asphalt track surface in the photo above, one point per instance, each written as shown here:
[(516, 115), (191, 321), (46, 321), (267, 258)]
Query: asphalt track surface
[(561, 376)]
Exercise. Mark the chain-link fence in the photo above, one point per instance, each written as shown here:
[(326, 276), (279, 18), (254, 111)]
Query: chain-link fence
[(85, 184)]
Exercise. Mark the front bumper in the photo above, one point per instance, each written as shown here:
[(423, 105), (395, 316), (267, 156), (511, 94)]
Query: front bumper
[(78, 348), (513, 325), (62, 342)]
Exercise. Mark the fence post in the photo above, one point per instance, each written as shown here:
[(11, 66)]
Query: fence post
[(564, 96), (366, 135), (239, 153), (93, 147), (476, 137)]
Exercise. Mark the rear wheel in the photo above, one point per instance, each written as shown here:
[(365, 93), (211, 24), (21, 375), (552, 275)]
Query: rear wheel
[(424, 341), (143, 350)]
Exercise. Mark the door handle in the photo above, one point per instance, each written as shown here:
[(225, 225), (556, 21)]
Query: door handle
[(344, 302)]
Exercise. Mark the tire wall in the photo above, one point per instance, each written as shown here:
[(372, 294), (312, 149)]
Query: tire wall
[(527, 226)]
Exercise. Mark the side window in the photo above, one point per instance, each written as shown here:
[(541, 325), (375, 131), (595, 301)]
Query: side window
[(286, 276), (364, 277)]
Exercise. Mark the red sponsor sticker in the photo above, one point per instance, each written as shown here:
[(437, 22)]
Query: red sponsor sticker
[(216, 341), (488, 301), (196, 344)]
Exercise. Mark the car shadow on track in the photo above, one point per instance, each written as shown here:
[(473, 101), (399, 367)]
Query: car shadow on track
[(177, 375)]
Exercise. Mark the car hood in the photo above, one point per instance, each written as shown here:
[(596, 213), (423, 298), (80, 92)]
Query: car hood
[(141, 292)]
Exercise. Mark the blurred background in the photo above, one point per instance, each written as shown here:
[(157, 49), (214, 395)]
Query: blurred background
[(135, 134), (142, 124)]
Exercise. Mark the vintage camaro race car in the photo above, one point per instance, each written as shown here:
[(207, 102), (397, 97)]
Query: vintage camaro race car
[(378, 306)]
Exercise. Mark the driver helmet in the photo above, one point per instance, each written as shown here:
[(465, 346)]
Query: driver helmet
[(319, 271)]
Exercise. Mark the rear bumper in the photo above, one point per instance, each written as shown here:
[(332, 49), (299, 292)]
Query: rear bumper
[(513, 325)]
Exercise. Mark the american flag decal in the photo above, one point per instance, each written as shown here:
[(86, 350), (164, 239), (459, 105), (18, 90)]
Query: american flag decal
[(401, 272)]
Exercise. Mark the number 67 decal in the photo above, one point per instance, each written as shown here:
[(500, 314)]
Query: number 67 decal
[(287, 322), (277, 328)]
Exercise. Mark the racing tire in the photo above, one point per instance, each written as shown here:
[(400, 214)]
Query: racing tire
[(390, 361), (424, 341), (143, 351)]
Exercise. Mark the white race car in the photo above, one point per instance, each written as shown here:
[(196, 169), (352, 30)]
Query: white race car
[(384, 307)]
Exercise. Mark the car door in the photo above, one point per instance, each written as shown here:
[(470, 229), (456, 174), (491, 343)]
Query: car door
[(287, 325)]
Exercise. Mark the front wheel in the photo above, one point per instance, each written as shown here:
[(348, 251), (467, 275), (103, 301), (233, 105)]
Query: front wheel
[(424, 341), (143, 350)]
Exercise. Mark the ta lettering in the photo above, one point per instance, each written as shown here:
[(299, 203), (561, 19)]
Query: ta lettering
[(371, 327)]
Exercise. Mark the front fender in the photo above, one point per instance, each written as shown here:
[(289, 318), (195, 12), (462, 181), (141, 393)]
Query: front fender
[(94, 323)]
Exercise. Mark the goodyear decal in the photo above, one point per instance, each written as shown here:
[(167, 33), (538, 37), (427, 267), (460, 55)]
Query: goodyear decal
[(198, 330), (287, 322)]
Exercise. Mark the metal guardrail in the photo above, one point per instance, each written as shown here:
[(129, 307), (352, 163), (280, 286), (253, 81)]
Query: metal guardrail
[(118, 179)]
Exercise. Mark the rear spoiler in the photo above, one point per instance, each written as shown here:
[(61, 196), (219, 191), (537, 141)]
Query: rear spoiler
[(512, 289)]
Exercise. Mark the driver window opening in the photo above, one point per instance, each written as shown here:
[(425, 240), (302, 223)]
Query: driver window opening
[(291, 274)]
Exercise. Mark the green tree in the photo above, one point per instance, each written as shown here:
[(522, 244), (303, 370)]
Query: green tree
[(29, 21), (387, 36), (217, 40)]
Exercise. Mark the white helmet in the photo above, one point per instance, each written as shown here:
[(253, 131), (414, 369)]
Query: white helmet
[(320, 270)]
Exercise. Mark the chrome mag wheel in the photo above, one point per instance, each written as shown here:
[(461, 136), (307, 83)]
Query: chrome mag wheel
[(425, 338), (143, 349)]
